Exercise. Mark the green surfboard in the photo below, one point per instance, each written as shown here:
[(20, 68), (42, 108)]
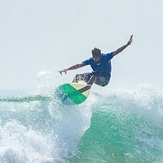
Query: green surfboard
[(73, 93)]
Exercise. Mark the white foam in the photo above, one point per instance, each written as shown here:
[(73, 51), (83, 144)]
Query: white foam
[(48, 81), (71, 124), (19, 144)]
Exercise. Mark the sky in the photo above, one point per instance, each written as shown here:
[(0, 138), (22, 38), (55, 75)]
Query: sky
[(49, 35)]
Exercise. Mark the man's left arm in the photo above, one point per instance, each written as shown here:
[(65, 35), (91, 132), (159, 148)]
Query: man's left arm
[(119, 50)]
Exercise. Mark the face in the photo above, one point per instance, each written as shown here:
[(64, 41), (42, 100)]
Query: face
[(96, 58)]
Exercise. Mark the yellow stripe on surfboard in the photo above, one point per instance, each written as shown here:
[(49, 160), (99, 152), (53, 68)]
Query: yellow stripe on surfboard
[(79, 86)]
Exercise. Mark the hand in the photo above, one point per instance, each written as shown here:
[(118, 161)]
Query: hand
[(130, 40), (61, 71)]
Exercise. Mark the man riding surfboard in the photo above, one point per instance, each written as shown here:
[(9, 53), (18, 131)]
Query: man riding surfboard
[(100, 64)]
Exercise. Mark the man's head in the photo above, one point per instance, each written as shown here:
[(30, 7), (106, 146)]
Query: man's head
[(96, 54)]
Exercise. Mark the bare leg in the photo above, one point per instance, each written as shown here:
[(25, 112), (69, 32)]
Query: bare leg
[(91, 80)]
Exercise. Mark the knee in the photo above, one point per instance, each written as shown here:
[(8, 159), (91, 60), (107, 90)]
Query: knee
[(103, 84)]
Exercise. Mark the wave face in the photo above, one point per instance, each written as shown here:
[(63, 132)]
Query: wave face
[(116, 126), (126, 126)]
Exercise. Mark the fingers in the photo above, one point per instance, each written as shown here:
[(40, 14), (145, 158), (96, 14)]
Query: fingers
[(61, 71), (130, 40)]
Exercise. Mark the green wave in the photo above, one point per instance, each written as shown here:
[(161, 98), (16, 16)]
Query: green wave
[(119, 135)]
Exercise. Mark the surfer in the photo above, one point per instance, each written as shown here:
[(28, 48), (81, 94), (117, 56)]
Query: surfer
[(100, 64)]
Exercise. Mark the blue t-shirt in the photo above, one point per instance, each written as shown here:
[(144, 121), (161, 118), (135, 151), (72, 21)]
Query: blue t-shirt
[(101, 68)]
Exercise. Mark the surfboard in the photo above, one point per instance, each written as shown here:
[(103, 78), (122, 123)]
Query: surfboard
[(73, 93)]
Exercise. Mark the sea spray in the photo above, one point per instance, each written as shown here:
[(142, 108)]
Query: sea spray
[(51, 126), (115, 125)]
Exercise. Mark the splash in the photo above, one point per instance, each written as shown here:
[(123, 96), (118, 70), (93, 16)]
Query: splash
[(111, 126)]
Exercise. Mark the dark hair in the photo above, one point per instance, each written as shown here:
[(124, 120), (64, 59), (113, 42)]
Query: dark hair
[(96, 52)]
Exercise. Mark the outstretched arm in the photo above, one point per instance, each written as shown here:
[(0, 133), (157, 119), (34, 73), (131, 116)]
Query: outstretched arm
[(71, 68), (123, 47)]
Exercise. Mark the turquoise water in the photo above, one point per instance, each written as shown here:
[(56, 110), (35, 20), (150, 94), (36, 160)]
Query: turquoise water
[(115, 126)]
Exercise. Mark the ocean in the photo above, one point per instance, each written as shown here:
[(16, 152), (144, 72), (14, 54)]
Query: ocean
[(112, 126)]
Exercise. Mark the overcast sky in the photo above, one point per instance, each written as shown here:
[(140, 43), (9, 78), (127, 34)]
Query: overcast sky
[(48, 35)]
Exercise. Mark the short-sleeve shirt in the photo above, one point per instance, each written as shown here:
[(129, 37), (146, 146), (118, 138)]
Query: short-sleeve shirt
[(103, 67)]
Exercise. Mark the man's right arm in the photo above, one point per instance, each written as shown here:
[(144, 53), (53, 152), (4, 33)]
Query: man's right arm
[(72, 68)]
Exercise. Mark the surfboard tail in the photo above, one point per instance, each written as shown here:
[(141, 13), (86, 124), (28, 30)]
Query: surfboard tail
[(74, 92)]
